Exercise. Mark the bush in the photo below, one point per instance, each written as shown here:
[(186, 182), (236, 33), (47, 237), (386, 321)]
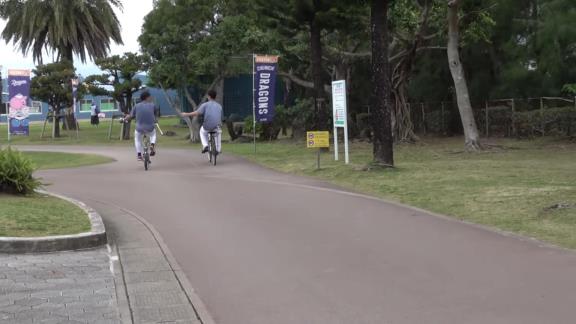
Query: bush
[(552, 121), (16, 173), (298, 116), (364, 125)]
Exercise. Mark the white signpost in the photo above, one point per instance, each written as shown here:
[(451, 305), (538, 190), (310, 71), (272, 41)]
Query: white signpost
[(340, 114)]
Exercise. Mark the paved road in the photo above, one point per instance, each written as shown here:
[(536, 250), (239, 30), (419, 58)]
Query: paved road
[(262, 247)]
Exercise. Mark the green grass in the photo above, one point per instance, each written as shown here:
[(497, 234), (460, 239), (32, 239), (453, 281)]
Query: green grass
[(506, 187), (91, 135), (56, 160), (39, 215)]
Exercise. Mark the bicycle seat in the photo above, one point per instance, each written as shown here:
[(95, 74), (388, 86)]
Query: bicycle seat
[(212, 132)]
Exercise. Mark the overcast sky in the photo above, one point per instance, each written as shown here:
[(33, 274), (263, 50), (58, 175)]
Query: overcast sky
[(131, 20)]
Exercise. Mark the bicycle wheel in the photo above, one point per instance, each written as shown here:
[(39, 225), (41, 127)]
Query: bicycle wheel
[(213, 152), (146, 155)]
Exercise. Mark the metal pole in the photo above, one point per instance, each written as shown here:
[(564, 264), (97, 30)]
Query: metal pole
[(335, 143), (318, 160), (254, 99), (346, 146)]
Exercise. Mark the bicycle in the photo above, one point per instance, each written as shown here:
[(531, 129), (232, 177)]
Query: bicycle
[(146, 153), (212, 151)]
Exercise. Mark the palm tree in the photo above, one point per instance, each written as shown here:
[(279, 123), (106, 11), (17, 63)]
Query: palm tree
[(63, 27)]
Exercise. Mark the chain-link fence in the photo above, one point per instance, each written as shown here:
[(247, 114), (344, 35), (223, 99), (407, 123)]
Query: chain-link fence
[(500, 118)]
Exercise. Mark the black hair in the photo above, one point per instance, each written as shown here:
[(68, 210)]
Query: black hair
[(212, 94), (144, 95)]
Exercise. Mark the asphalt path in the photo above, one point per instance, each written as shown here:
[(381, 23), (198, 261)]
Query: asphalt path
[(261, 247)]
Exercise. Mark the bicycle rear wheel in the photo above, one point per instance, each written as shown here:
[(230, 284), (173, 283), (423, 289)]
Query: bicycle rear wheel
[(213, 152), (146, 155)]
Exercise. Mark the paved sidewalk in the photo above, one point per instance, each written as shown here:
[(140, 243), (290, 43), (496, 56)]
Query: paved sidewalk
[(154, 285), (69, 287), (133, 280)]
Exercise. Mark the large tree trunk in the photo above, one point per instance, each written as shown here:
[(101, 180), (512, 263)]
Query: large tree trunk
[(381, 88), (194, 124), (321, 116), (471, 135), (176, 106), (126, 127)]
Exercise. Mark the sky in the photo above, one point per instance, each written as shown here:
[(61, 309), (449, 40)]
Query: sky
[(131, 20)]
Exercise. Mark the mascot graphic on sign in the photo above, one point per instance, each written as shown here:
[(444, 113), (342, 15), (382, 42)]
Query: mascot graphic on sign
[(18, 108)]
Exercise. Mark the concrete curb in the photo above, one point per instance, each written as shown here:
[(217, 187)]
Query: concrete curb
[(202, 313), (96, 237)]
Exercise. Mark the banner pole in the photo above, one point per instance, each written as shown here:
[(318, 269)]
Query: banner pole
[(253, 99)]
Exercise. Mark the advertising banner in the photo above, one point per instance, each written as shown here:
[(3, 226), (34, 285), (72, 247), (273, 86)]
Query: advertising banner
[(18, 95), (265, 71)]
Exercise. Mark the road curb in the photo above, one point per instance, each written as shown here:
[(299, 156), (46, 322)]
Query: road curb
[(96, 237), (194, 299)]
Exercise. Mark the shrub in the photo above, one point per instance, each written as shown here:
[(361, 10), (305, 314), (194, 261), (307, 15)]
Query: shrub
[(364, 125), (16, 173), (298, 116), (552, 121)]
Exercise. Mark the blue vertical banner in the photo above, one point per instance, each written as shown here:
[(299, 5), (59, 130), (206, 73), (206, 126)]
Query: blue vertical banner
[(265, 71), (18, 96)]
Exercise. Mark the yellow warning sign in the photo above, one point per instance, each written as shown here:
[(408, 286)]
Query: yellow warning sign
[(318, 139)]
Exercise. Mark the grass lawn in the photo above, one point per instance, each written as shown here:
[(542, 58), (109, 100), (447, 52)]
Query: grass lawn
[(91, 135), (508, 187), (56, 160), (40, 215)]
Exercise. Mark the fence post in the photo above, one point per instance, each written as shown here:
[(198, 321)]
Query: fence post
[(514, 118), (542, 115), (442, 122), (487, 121), (423, 117)]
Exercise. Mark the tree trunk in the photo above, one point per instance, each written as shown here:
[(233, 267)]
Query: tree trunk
[(321, 115), (381, 88), (176, 106), (55, 122), (70, 120), (219, 88), (194, 124), (471, 135), (127, 108)]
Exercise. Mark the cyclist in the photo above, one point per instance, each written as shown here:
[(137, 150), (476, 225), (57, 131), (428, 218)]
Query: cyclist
[(145, 114), (212, 112)]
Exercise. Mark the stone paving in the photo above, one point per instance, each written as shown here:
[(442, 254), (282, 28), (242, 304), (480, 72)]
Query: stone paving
[(154, 292), (130, 281), (67, 287)]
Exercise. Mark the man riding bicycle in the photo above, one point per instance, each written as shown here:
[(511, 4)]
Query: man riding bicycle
[(145, 114), (212, 112)]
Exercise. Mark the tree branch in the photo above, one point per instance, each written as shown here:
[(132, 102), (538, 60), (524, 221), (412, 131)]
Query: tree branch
[(303, 83)]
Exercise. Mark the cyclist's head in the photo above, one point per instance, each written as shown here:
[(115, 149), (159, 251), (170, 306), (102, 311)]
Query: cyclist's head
[(145, 96), (212, 94)]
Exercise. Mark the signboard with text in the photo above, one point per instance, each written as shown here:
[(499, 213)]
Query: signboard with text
[(318, 139), (340, 116), (265, 70), (339, 103)]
